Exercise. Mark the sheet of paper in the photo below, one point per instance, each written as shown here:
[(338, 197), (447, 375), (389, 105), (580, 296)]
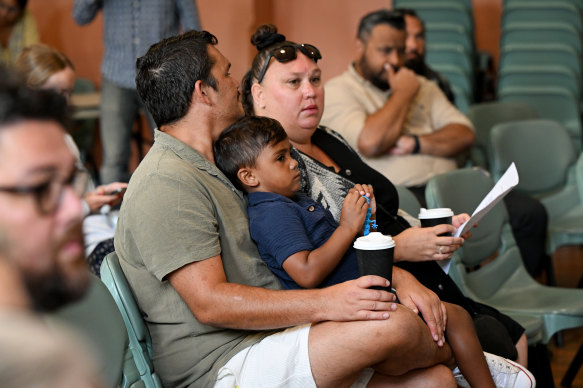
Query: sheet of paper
[(502, 187), (444, 264)]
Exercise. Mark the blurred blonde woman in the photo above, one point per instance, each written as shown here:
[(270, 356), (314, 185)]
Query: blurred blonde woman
[(44, 67)]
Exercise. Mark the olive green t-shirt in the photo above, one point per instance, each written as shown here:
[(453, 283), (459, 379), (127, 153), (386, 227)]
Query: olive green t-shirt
[(178, 209)]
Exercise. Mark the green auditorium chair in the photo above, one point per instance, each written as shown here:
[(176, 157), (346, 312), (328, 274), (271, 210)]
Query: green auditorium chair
[(539, 11), (452, 12), (98, 321), (457, 77), (452, 54), (436, 33), (550, 102), (539, 75), (489, 265), (485, 115), (541, 32), (547, 164), (541, 54), (140, 342)]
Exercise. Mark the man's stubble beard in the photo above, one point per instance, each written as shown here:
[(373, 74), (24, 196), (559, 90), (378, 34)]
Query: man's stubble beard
[(375, 78)]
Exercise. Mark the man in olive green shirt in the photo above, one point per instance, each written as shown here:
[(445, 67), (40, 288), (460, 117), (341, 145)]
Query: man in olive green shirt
[(211, 304)]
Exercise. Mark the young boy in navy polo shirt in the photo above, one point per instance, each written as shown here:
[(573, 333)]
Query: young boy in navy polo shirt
[(298, 239), (305, 247)]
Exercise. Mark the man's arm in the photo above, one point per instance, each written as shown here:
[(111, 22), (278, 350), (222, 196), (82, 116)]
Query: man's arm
[(446, 142), (382, 128), (84, 11), (216, 302)]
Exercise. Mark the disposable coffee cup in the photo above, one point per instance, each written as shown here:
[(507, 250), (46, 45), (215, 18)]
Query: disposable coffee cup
[(434, 217), (374, 253)]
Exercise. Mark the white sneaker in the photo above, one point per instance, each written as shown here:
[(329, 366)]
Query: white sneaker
[(505, 373)]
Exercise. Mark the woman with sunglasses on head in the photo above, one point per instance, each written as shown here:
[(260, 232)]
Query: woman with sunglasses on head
[(44, 67), (285, 83)]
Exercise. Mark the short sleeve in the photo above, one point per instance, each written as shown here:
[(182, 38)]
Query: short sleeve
[(278, 230), (170, 224), (343, 111)]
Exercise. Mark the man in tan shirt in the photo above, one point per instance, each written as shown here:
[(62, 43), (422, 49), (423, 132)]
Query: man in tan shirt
[(400, 123)]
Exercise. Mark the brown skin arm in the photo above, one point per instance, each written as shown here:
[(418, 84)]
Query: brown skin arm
[(310, 268), (382, 128), (216, 302), (446, 142)]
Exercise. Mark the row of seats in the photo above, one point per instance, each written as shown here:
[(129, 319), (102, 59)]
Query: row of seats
[(540, 59), (450, 44), (550, 168)]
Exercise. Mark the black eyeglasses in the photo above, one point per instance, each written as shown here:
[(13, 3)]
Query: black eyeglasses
[(288, 53), (49, 195)]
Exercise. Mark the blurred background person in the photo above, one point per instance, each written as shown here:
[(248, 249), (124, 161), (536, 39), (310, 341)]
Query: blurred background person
[(17, 29), (43, 67), (129, 29)]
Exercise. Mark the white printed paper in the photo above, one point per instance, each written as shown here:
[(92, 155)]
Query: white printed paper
[(502, 187)]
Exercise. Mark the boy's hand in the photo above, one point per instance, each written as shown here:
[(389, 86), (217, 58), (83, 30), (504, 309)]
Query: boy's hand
[(367, 190), (353, 212)]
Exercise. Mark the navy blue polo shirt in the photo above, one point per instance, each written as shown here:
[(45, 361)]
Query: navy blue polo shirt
[(281, 226)]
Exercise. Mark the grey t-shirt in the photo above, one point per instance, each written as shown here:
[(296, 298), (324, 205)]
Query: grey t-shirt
[(178, 209)]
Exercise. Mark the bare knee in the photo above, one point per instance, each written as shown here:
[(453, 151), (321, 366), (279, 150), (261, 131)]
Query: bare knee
[(440, 377)]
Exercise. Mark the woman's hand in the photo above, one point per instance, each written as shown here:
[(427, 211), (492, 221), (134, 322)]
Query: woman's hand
[(105, 195), (425, 244), (422, 300), (458, 220)]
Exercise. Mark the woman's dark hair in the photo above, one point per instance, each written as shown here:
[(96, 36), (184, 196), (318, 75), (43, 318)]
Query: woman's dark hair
[(265, 39), (241, 143)]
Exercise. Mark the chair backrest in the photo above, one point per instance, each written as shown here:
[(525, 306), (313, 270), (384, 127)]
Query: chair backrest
[(83, 85), (540, 54), (539, 75), (485, 115), (554, 103), (577, 3), (446, 53), (556, 11), (451, 12), (407, 201), (541, 32), (448, 33), (462, 190), (541, 149), (97, 319), (456, 77), (139, 336)]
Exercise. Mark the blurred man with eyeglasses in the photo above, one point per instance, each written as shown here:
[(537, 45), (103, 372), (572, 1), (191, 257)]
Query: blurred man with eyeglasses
[(40, 189)]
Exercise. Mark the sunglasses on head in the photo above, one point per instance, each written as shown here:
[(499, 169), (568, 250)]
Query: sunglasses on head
[(288, 53)]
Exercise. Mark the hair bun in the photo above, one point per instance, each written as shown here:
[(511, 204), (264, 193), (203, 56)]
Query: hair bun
[(266, 35)]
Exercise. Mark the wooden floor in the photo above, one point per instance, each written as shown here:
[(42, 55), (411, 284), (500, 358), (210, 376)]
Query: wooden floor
[(568, 264)]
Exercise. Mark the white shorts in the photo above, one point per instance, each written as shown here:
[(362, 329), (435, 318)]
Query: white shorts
[(279, 360)]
